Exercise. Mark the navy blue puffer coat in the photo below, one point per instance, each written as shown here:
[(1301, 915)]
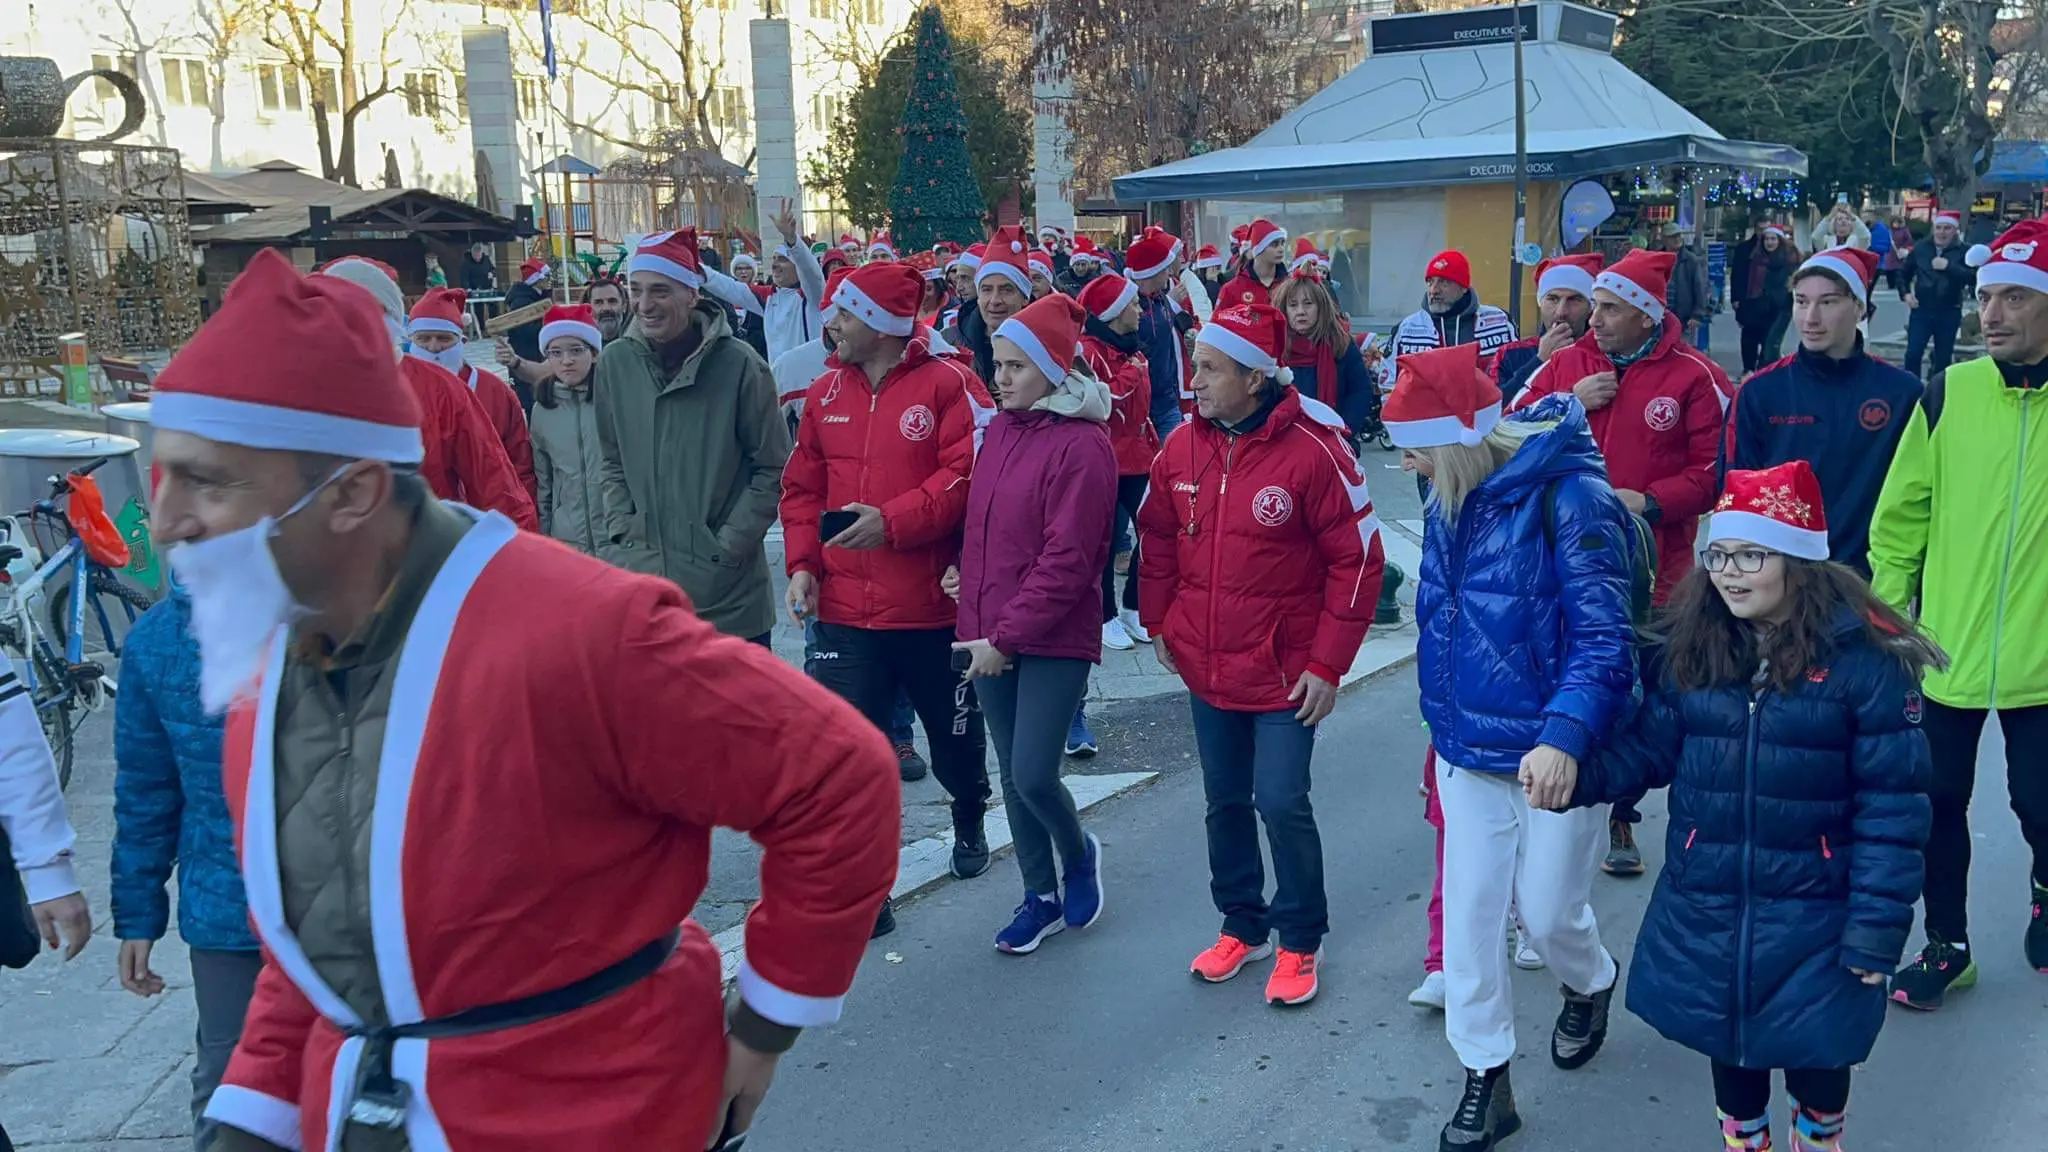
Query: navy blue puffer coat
[(1525, 635), (1797, 820)]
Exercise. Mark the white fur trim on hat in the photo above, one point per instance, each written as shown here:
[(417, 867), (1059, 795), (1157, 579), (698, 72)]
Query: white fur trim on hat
[(1117, 306), (1565, 278), (1836, 266), (1147, 273), (1276, 236), (542, 273), (857, 304), (433, 324), (663, 266), (587, 333), (1439, 431), (281, 429), (1631, 294), (2013, 273), (1778, 536), (1007, 271), (1019, 333), (1236, 347), (1211, 262)]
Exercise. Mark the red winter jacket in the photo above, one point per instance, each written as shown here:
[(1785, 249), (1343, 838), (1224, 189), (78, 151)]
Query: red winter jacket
[(907, 449), (1280, 578), (465, 460), (1660, 435), (501, 408), (1129, 377)]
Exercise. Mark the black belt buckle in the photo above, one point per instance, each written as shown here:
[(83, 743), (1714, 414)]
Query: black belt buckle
[(380, 1101)]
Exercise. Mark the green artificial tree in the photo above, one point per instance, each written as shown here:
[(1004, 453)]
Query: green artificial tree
[(936, 195)]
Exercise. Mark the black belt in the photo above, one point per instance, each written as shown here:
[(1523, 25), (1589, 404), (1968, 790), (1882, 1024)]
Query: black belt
[(379, 1101)]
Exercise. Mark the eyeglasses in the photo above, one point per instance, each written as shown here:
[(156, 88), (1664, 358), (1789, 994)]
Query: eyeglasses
[(1748, 562)]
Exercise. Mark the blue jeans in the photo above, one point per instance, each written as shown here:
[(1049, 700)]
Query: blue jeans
[(1255, 767), (1925, 325), (899, 720)]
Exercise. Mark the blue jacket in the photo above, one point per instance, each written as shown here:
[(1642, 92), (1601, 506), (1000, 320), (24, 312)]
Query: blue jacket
[(1160, 329), (1793, 854), (168, 806), (1525, 639), (1355, 396)]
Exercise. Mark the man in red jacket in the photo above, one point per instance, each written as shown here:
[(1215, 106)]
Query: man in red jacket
[(1109, 347), (436, 333), (873, 500)]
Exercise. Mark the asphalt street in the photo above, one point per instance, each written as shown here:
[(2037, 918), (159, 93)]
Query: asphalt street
[(1100, 1041)]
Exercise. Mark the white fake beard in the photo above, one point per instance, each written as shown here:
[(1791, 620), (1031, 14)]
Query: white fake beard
[(240, 605), (449, 357)]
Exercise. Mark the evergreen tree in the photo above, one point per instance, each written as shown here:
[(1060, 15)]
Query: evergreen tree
[(936, 196)]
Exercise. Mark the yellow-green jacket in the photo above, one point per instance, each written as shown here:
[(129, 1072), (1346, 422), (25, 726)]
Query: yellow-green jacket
[(1962, 524)]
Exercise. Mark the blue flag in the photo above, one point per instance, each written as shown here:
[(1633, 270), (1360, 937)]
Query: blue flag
[(547, 36)]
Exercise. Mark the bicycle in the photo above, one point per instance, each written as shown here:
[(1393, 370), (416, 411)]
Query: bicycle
[(64, 685)]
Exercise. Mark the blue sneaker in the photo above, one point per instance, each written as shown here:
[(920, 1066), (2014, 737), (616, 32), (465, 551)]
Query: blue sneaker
[(1080, 741), (1037, 918), (1084, 888)]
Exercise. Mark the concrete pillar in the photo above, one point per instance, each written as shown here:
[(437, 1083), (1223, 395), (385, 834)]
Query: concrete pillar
[(775, 173), (1052, 162), (494, 109)]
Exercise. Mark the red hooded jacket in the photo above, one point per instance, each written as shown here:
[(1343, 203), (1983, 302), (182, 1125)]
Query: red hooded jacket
[(465, 460), (1253, 589), (501, 408), (906, 448), (1129, 377)]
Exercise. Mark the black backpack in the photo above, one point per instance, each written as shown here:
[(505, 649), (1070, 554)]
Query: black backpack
[(1642, 583)]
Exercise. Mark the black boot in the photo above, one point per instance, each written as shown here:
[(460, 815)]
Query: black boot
[(1485, 1115), (1581, 1027), (885, 921)]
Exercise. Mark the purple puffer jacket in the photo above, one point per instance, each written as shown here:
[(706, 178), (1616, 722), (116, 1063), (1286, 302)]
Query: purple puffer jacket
[(1037, 537)]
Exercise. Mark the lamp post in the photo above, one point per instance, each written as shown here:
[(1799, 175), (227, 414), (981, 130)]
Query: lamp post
[(1521, 181)]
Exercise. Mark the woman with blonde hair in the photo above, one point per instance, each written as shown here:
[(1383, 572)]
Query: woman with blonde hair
[(1525, 660), (1327, 363)]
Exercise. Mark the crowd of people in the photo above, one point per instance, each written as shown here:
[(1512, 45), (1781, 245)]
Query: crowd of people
[(1637, 574)]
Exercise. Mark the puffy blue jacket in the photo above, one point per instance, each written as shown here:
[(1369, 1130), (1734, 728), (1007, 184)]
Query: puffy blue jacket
[(168, 806), (1797, 820), (1525, 635)]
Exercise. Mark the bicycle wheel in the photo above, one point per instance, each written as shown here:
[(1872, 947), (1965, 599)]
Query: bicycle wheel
[(100, 583), (56, 718)]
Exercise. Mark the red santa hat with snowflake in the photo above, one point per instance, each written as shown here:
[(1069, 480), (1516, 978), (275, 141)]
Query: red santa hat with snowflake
[(1776, 508), (292, 363), (1854, 267), (1004, 257), (1253, 333), (1106, 296), (1569, 273), (1048, 330), (575, 321), (2018, 258), (440, 310), (1640, 280), (883, 295), (1442, 397), (670, 254)]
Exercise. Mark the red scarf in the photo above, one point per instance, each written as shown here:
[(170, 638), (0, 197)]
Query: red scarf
[(1305, 353)]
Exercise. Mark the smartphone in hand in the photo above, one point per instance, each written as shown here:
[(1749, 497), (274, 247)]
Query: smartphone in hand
[(831, 524)]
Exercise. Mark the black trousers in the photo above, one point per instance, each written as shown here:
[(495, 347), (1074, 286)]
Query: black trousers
[(866, 666), (1130, 493), (1745, 1093), (1763, 334), (1952, 735)]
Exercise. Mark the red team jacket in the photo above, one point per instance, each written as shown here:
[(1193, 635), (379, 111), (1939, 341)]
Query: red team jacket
[(1129, 378)]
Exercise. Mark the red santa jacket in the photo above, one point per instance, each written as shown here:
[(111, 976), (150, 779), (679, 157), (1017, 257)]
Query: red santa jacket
[(545, 799), (464, 459), (1660, 434), (1251, 584), (1129, 377), (906, 448), (501, 408)]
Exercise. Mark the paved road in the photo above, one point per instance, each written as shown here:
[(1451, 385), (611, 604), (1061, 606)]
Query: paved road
[(1100, 1041)]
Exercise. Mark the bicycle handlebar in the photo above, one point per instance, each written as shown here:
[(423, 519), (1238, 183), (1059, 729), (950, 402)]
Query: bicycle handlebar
[(89, 469)]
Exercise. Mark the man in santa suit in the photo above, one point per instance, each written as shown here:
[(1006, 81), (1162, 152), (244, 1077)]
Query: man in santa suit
[(436, 335), (468, 846), (464, 459)]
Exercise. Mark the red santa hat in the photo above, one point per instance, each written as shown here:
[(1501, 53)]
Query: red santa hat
[(1777, 508), (1149, 255), (1238, 236), (1251, 333), (1085, 249), (1004, 257), (292, 363), (881, 246), (534, 270), (670, 254), (1854, 267), (1949, 216), (971, 259), (1640, 279), (1571, 273), (1260, 235), (1442, 397), (847, 243), (440, 310), (1208, 257), (1776, 229), (1040, 261), (1451, 265), (1305, 255), (1048, 330), (833, 258), (837, 277), (576, 321), (883, 295), (1106, 296), (2018, 258)]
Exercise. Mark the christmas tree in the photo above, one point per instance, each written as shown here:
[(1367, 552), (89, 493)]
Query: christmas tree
[(935, 197)]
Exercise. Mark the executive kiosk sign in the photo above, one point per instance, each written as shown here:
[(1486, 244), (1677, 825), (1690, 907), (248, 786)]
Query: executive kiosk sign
[(1471, 28)]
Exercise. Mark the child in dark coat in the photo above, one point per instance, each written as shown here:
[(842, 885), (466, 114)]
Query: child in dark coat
[(1782, 709)]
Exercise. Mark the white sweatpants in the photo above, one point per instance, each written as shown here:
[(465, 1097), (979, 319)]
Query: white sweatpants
[(1498, 851)]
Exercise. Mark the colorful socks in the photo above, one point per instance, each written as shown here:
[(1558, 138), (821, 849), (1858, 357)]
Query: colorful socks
[(1745, 1135), (1814, 1131)]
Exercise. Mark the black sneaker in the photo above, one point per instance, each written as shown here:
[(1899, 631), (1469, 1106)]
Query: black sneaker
[(1581, 1027), (885, 922), (1941, 968), (908, 763), (2037, 931), (1485, 1116), (1623, 857), (970, 851)]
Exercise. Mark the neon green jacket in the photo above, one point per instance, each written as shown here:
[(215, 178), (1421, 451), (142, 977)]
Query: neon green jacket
[(1962, 523)]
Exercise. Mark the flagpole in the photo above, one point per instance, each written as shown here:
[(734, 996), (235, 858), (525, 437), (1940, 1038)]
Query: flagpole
[(566, 237), (1521, 182)]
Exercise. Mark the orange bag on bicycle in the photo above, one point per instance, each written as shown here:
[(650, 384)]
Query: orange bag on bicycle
[(88, 512)]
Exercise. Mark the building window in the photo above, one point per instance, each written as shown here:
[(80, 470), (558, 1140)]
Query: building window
[(533, 98), (772, 9), (462, 96), (867, 11), (123, 63), (423, 94), (277, 85), (184, 82), (728, 109), (666, 105), (825, 9), (327, 88), (825, 111)]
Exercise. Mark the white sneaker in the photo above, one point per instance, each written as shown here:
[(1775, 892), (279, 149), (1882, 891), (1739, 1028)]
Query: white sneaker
[(1525, 956), (1429, 993), (1136, 631), (1114, 636)]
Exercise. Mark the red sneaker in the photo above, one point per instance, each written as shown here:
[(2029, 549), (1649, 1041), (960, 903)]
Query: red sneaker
[(1226, 958), (1294, 978)]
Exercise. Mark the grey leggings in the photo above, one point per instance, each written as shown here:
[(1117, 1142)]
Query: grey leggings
[(1028, 709)]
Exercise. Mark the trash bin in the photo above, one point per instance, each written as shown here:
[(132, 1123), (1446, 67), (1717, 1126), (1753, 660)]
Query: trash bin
[(131, 419), (30, 456)]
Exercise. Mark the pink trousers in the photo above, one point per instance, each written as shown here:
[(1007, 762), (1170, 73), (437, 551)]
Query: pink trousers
[(1433, 811)]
